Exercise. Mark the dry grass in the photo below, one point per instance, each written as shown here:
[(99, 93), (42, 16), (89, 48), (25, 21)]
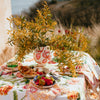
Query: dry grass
[(94, 34), (6, 54)]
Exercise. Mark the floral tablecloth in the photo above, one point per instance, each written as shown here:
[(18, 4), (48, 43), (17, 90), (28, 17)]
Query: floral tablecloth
[(13, 86)]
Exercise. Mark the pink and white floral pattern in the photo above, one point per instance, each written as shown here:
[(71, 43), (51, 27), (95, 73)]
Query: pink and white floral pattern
[(42, 55)]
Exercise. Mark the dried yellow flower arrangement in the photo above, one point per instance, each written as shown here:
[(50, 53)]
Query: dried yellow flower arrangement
[(27, 36)]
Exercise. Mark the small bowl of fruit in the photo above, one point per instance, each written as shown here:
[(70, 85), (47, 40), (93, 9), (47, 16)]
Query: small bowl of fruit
[(43, 81)]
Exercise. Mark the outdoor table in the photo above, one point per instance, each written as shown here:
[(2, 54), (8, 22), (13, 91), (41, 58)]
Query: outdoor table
[(65, 88)]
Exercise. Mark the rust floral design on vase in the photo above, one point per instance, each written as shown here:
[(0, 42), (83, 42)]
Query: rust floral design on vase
[(42, 55)]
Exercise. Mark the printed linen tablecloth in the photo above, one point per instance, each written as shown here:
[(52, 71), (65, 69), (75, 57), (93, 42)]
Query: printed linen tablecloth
[(13, 86), (65, 87)]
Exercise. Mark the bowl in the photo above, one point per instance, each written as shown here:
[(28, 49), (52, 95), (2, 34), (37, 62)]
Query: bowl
[(43, 86)]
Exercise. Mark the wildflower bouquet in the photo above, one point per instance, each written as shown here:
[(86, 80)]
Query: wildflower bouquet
[(29, 35)]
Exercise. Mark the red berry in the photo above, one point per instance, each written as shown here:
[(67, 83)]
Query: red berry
[(59, 31), (67, 31)]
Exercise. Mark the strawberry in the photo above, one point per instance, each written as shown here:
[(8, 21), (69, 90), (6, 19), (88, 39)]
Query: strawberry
[(46, 80), (43, 78), (51, 82), (37, 82), (48, 83)]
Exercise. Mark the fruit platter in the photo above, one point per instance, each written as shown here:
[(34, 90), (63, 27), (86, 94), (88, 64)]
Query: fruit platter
[(43, 81), (31, 71)]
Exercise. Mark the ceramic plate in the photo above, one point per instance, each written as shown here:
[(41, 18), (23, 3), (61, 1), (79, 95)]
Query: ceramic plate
[(44, 87), (28, 76)]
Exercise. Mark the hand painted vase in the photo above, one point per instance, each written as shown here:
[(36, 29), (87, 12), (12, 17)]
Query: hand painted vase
[(42, 55)]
